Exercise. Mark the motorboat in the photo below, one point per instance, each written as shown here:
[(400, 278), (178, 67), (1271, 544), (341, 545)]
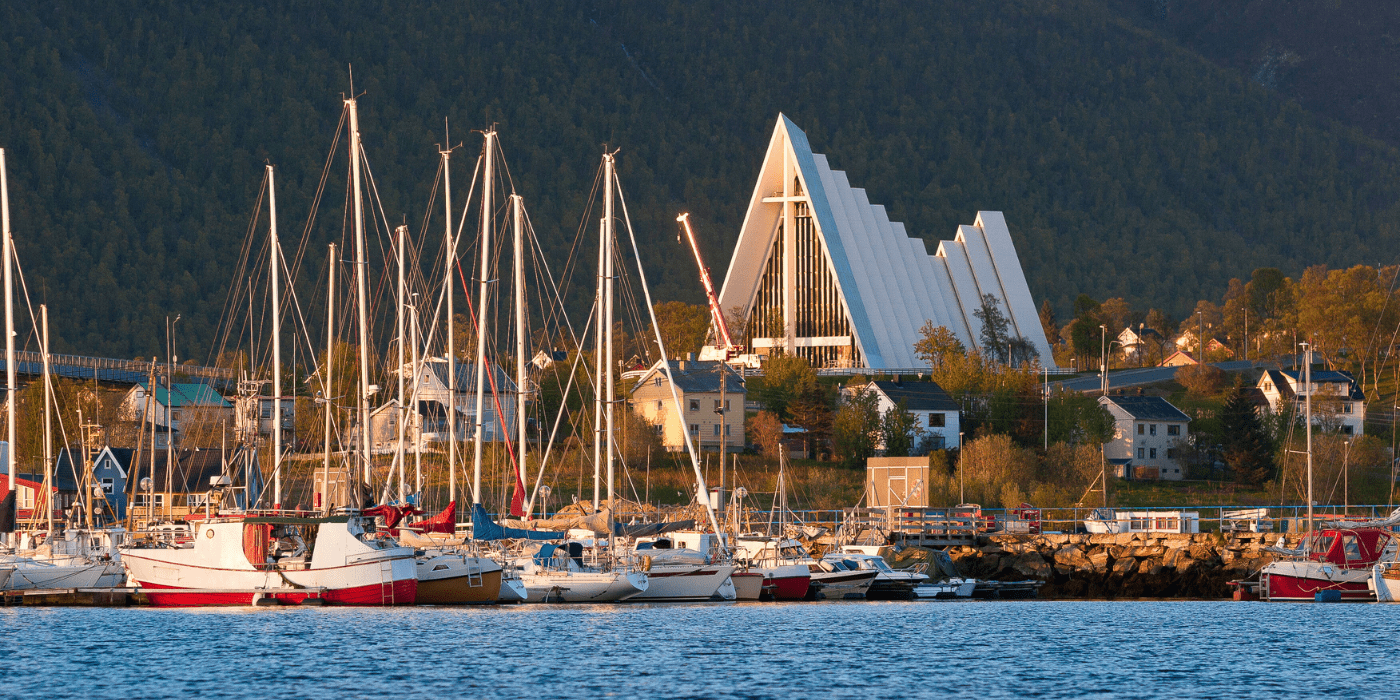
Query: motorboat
[(677, 573), (1337, 558), (276, 559), (889, 583), (836, 580), (555, 574), (950, 588)]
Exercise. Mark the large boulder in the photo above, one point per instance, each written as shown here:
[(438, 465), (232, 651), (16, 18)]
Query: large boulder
[(1029, 564), (1125, 566), (1100, 561)]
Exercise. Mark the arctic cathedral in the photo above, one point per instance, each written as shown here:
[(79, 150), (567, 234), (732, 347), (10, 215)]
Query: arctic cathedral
[(822, 273)]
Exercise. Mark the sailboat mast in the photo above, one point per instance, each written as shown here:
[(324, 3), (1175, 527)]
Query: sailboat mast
[(450, 257), (274, 265), (610, 177), (1307, 421), (517, 205), (48, 421), (8, 258), (361, 290), (483, 289), (399, 456), (598, 326), (327, 378), (417, 418)]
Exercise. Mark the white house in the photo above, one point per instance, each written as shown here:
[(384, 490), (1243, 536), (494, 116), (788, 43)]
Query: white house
[(427, 414), (1337, 402), (935, 413), (1148, 432), (1140, 343)]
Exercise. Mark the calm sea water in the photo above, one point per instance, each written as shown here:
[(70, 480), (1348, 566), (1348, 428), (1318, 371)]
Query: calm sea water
[(848, 650)]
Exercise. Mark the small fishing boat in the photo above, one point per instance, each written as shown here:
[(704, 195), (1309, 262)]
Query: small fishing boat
[(951, 588), (456, 578)]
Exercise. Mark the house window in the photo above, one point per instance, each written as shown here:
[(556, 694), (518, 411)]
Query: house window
[(25, 497), (695, 404), (1140, 428), (660, 429), (1140, 453), (1346, 430), (266, 410), (1152, 453), (658, 404), (656, 382), (107, 485), (937, 420), (717, 406), (726, 430), (196, 500), (1152, 429), (1173, 430), (716, 429), (1268, 386), (695, 428), (1172, 453), (175, 414), (1346, 408)]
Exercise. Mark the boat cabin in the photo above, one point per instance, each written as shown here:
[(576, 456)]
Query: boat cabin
[(1350, 549)]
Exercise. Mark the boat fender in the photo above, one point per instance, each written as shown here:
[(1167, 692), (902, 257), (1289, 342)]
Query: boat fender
[(646, 563)]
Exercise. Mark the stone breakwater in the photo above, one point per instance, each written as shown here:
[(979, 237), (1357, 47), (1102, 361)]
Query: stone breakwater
[(1140, 565)]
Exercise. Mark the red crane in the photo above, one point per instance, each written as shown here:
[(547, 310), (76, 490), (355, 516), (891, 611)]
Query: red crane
[(726, 344)]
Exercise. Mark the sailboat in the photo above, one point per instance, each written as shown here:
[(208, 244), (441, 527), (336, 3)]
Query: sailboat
[(280, 557), (82, 558), (1337, 561)]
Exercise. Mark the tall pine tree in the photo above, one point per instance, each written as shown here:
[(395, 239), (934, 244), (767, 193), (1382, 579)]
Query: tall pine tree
[(1248, 452)]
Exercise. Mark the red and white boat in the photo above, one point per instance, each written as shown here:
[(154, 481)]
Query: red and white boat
[(782, 562), (1336, 558), (276, 559)]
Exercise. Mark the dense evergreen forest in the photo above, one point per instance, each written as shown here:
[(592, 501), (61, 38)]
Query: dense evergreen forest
[(1127, 166)]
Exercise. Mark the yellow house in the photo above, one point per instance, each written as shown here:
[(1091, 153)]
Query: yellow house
[(709, 418)]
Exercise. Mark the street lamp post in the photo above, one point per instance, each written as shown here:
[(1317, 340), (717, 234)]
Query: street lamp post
[(1103, 359)]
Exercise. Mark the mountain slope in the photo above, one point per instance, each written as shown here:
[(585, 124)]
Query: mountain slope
[(1126, 166)]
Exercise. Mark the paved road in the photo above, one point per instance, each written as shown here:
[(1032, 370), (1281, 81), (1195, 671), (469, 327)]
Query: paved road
[(1147, 375)]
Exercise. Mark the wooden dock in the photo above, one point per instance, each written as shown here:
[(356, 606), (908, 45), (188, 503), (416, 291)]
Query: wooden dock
[(76, 597), (922, 527)]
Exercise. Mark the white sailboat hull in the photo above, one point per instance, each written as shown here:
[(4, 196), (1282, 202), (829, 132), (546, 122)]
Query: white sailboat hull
[(681, 583), (1385, 581), (31, 575), (583, 586)]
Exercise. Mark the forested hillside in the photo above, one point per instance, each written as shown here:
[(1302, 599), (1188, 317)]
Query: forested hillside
[(1127, 167)]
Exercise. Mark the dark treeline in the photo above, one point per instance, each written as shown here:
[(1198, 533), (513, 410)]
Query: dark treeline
[(1127, 167)]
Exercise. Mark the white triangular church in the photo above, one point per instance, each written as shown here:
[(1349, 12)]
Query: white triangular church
[(822, 273)]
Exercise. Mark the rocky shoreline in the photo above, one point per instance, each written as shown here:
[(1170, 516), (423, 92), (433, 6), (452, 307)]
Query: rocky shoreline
[(1142, 565)]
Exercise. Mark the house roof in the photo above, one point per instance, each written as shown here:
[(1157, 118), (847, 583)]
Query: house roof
[(192, 468), (182, 395), (697, 376), (466, 376), (918, 396), (1285, 379), (1146, 408)]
